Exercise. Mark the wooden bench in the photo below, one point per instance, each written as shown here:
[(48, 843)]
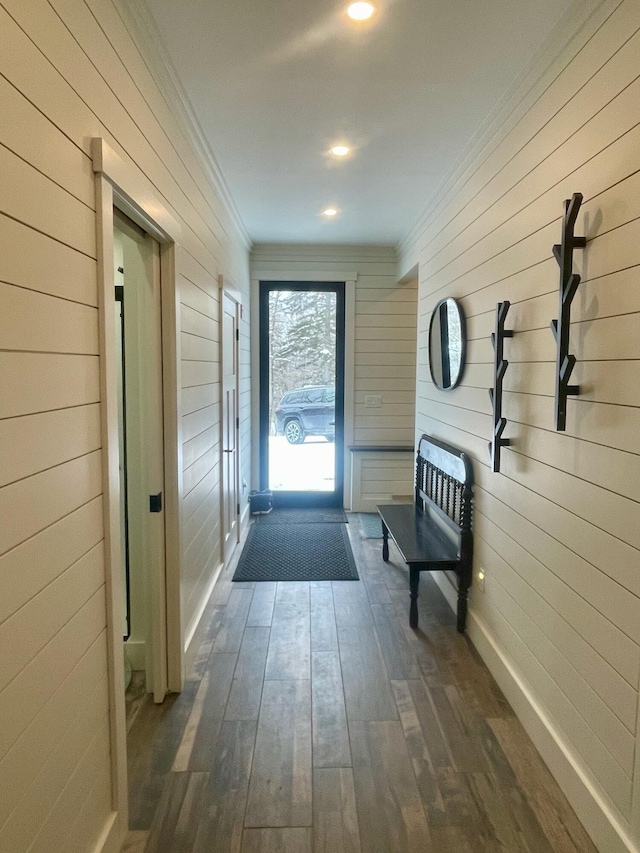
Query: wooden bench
[(434, 533)]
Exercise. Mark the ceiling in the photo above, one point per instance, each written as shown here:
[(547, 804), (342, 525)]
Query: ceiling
[(275, 83)]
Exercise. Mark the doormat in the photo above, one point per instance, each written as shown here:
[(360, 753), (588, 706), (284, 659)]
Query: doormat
[(299, 552), (296, 515), (371, 525)]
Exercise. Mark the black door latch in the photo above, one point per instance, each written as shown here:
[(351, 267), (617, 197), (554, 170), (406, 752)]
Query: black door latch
[(155, 502)]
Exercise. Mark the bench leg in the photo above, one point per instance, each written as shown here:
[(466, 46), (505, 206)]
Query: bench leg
[(414, 582), (464, 582), (385, 542)]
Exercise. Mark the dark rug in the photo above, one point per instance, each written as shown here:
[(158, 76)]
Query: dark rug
[(301, 552), (371, 525), (290, 515)]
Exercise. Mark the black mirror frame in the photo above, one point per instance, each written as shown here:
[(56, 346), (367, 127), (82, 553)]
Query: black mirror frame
[(463, 342)]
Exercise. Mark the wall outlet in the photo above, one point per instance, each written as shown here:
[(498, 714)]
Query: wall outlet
[(373, 401)]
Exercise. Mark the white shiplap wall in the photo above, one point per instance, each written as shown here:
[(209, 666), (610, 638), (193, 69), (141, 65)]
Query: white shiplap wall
[(557, 532), (384, 343), (71, 71)]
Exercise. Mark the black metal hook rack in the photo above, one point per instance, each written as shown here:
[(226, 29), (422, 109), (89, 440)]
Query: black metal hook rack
[(569, 281), (500, 365)]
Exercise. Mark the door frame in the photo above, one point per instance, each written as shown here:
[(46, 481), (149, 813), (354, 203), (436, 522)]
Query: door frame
[(337, 496), (119, 185), (236, 297), (349, 278)]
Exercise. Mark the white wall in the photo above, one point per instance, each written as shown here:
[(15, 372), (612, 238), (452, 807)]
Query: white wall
[(557, 531), (71, 71), (381, 331)]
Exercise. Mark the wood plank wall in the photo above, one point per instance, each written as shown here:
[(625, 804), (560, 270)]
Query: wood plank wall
[(557, 531), (384, 332), (70, 70)]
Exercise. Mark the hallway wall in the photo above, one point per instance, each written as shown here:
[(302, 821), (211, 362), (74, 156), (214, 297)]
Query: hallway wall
[(383, 336), (557, 531), (72, 71)]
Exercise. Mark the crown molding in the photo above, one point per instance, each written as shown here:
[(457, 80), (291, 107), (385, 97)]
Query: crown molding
[(525, 87), (142, 26)]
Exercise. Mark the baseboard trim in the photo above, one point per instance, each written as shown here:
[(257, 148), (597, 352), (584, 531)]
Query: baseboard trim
[(606, 828)]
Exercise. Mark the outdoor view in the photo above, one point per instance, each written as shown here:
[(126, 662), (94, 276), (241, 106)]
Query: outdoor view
[(302, 365)]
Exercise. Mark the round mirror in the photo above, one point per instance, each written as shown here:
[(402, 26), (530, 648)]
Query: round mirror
[(447, 344)]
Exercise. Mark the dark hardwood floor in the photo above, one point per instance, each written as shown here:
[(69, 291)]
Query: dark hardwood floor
[(315, 719)]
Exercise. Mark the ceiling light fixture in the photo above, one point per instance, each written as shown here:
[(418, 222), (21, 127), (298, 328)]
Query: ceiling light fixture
[(329, 211), (360, 11), (340, 150)]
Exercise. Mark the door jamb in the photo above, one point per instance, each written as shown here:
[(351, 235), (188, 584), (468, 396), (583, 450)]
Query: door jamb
[(120, 185)]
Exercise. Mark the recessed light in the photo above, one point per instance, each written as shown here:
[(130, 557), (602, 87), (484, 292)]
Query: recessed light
[(340, 150), (360, 11), (329, 211)]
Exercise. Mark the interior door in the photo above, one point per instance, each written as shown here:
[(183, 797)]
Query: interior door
[(230, 455), (302, 392), (141, 420)]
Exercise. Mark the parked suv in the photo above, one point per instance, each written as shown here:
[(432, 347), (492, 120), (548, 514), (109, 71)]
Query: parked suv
[(307, 411)]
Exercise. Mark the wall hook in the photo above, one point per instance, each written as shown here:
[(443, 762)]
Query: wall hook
[(500, 365), (569, 281)]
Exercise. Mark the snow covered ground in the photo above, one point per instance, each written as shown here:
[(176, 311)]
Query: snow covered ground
[(307, 467)]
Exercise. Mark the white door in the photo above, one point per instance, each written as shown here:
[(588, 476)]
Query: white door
[(137, 265), (230, 455)]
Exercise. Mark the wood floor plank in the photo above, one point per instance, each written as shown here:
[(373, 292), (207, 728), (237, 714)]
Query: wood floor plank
[(499, 832), (297, 840), (377, 591), (367, 689), (280, 788), (246, 689), (556, 817), (423, 765), (324, 636), (262, 604), (203, 735), (398, 656), (390, 812), (289, 655), (516, 802), (152, 744), (351, 604), (167, 813), (450, 839), (188, 818), (221, 822), (435, 737), (229, 637), (330, 733), (197, 657), (335, 819), (460, 729), (183, 755)]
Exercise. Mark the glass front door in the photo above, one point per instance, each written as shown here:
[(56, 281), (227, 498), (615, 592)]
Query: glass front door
[(301, 392)]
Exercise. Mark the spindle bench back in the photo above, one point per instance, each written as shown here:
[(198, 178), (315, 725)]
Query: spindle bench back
[(435, 532)]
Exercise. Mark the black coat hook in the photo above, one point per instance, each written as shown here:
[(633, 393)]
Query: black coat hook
[(569, 281), (500, 365)]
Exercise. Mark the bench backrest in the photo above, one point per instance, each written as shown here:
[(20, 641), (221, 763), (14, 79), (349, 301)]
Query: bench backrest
[(444, 481)]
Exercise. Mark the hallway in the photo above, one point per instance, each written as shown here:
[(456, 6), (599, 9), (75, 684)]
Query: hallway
[(313, 718)]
